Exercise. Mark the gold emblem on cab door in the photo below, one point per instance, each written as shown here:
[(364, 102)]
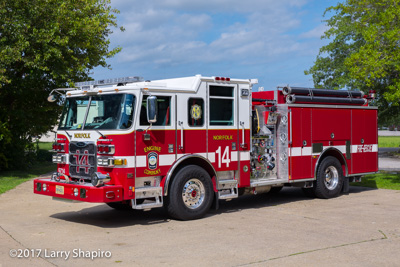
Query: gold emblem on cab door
[(195, 112)]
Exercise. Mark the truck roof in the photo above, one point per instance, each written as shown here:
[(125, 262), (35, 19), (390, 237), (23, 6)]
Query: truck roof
[(184, 84)]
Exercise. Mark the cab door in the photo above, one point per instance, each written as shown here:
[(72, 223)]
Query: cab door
[(223, 128), (155, 146), (191, 123)]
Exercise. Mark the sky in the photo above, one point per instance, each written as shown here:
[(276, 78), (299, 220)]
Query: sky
[(273, 41)]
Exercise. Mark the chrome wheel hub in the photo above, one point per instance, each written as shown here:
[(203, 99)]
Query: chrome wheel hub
[(331, 177), (193, 193)]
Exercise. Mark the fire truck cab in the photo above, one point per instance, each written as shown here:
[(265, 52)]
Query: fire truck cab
[(187, 143)]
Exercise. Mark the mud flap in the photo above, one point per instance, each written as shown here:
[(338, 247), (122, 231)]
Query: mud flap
[(215, 204), (346, 186)]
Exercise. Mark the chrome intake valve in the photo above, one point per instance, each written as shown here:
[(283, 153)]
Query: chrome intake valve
[(99, 179)]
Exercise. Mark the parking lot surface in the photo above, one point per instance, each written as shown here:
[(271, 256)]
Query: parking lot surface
[(288, 229)]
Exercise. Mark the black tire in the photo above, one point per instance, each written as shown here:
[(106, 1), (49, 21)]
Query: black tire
[(275, 190), (191, 194), (330, 178)]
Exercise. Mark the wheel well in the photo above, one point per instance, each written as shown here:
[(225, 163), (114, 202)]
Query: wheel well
[(185, 161), (334, 152)]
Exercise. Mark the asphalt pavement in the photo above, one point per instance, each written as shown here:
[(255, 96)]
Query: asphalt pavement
[(359, 229)]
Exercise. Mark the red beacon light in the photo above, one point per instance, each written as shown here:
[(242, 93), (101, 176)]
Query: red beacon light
[(222, 79), (372, 94)]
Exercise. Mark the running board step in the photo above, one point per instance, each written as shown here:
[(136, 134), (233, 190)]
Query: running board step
[(152, 195), (227, 189)]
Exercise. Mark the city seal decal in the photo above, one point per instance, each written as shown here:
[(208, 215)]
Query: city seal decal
[(152, 159), (195, 112)]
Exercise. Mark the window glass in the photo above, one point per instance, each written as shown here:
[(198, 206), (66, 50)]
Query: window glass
[(163, 109), (104, 112), (73, 113), (221, 91), (221, 111), (127, 108), (195, 112), (221, 105)]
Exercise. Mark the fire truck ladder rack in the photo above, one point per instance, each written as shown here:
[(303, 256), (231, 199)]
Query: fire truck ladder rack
[(227, 189), (312, 95)]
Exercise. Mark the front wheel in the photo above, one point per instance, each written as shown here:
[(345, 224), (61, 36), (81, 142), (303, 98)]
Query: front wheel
[(191, 194), (329, 178)]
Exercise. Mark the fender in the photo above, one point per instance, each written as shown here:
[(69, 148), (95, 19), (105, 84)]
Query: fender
[(334, 152), (191, 157)]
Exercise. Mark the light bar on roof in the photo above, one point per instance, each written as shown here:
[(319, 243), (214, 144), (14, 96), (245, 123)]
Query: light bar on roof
[(90, 84)]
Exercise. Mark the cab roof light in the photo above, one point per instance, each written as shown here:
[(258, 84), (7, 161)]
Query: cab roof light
[(91, 84), (222, 79)]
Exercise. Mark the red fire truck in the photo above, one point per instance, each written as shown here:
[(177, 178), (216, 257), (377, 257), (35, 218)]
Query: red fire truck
[(187, 143)]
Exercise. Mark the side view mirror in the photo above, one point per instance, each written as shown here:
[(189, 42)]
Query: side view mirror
[(51, 98), (152, 109)]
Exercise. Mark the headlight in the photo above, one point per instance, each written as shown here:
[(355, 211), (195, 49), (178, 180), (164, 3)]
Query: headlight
[(99, 179), (44, 187), (59, 158)]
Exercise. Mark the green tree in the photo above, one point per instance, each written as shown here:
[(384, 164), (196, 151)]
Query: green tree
[(363, 52), (45, 44)]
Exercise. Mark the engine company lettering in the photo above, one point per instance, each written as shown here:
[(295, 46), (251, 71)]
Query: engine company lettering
[(152, 148), (222, 137), (82, 135), (149, 172)]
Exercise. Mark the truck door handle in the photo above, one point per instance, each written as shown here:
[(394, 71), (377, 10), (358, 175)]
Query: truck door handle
[(243, 144), (181, 124)]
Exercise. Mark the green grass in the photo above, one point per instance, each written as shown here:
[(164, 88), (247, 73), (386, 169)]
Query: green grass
[(388, 141), (10, 179), (45, 145), (382, 180)]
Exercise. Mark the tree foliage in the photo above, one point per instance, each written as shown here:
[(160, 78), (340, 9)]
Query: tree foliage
[(363, 52), (45, 44)]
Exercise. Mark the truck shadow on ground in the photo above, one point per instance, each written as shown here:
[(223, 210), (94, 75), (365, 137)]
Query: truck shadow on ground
[(106, 217)]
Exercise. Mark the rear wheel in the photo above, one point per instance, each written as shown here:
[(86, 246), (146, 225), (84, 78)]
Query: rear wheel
[(330, 178), (191, 194)]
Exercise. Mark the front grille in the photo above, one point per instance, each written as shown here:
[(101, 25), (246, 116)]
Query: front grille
[(82, 159)]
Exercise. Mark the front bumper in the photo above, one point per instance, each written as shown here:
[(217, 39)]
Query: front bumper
[(78, 191)]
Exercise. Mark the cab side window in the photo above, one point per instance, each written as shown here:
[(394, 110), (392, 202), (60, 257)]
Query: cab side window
[(164, 112), (221, 105), (196, 112)]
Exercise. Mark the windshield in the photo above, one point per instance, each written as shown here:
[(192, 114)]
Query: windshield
[(98, 112)]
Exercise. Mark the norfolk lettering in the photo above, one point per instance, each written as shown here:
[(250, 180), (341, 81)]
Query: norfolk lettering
[(82, 135), (222, 137)]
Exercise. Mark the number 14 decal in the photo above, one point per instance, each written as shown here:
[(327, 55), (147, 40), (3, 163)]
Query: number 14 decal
[(223, 158)]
